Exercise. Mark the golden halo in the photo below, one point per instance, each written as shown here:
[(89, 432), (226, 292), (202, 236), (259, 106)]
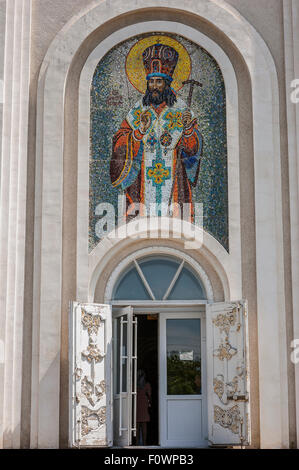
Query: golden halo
[(134, 63)]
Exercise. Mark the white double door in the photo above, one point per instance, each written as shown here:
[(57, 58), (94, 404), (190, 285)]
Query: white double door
[(203, 372), (182, 378)]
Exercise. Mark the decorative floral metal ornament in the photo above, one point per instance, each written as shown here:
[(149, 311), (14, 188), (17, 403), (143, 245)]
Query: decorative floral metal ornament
[(225, 351), (78, 373), (223, 390), (91, 322), (92, 353), (219, 389), (230, 419), (93, 392), (91, 420), (225, 321)]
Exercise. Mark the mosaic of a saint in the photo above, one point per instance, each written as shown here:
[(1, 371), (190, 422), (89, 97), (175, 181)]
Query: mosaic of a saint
[(157, 150)]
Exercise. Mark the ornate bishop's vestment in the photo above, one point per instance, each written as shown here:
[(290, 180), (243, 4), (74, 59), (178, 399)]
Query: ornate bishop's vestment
[(160, 166)]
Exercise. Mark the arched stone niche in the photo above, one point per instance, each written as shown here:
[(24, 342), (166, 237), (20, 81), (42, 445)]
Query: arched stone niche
[(58, 174), (231, 261)]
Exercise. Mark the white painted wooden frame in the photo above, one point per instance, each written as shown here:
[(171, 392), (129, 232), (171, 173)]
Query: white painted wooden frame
[(122, 411), (268, 211)]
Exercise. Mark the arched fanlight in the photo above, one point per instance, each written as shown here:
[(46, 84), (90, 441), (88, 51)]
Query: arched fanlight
[(159, 278)]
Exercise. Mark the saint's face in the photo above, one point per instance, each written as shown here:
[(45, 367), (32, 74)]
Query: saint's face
[(156, 86)]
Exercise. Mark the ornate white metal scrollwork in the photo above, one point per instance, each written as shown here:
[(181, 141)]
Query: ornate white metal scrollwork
[(78, 373), (230, 419), (93, 392), (224, 321), (91, 322), (92, 353), (91, 332), (224, 390), (91, 420), (225, 351)]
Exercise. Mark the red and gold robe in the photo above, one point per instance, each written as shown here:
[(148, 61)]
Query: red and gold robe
[(161, 166)]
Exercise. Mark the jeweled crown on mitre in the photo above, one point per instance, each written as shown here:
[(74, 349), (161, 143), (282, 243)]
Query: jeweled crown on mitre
[(160, 60)]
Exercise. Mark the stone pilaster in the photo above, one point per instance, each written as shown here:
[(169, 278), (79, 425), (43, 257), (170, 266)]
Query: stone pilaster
[(13, 214), (291, 39)]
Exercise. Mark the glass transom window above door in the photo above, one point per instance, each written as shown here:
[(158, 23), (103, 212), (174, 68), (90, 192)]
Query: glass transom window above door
[(159, 278)]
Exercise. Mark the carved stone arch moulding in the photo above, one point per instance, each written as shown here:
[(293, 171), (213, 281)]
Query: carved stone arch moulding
[(49, 212)]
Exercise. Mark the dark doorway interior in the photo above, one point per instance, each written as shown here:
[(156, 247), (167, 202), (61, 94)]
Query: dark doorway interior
[(147, 354)]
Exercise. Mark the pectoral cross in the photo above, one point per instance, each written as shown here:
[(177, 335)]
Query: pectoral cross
[(158, 174)]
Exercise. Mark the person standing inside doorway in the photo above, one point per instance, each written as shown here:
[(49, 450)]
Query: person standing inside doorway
[(144, 393)]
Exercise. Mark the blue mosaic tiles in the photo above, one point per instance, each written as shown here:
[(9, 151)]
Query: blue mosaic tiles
[(111, 99)]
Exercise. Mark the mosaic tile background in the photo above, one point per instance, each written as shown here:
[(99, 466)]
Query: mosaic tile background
[(112, 96)]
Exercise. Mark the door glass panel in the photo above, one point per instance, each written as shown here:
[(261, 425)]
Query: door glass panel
[(159, 273), (183, 356), (124, 353), (187, 287)]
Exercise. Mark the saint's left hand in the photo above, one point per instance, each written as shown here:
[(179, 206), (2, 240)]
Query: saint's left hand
[(186, 118)]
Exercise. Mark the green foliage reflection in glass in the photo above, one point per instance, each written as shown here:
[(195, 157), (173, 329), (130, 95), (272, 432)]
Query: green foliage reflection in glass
[(183, 356), (183, 377)]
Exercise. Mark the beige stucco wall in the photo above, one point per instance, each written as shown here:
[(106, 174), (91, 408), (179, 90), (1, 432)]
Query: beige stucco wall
[(48, 19)]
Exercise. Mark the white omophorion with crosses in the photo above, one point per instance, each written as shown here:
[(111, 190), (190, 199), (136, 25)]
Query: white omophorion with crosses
[(228, 374), (90, 375)]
